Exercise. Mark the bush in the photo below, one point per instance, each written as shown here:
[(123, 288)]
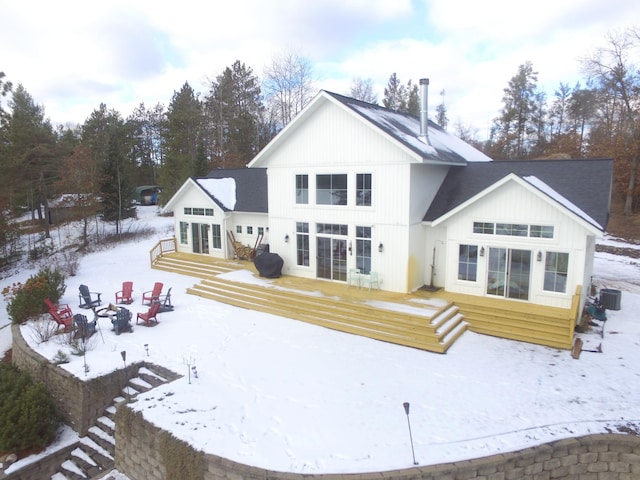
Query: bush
[(28, 417), (24, 301)]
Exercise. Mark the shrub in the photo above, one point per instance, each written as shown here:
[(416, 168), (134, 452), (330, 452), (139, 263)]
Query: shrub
[(24, 301), (28, 417)]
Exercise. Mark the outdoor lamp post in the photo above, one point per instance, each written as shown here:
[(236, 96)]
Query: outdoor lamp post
[(406, 410)]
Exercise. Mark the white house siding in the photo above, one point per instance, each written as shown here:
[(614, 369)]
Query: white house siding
[(333, 141), (244, 220), (425, 180), (512, 203), (193, 197)]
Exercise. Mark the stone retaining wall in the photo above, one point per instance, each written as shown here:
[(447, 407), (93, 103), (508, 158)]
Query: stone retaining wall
[(143, 451), (79, 402), (42, 469)]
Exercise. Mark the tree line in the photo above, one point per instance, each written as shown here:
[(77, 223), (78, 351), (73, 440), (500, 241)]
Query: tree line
[(99, 163)]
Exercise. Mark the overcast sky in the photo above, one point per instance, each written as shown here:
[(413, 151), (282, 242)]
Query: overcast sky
[(73, 55)]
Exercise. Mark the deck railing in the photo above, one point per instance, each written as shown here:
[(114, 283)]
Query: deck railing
[(166, 245)]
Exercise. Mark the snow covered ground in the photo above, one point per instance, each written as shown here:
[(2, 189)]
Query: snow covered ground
[(284, 395)]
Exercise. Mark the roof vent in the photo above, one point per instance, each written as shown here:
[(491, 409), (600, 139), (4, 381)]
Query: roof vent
[(424, 110)]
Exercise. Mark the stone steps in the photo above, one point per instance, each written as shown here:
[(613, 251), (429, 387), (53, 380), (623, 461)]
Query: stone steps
[(94, 455)]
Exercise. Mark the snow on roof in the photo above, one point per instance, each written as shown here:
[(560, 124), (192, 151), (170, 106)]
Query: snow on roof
[(543, 187), (222, 189), (440, 146), (390, 121)]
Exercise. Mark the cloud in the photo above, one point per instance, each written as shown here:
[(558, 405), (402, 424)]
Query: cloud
[(72, 55)]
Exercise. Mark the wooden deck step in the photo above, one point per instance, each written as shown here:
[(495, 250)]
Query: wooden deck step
[(433, 331)]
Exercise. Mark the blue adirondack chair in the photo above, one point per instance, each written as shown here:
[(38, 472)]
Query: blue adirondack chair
[(84, 328), (86, 299), (122, 321)]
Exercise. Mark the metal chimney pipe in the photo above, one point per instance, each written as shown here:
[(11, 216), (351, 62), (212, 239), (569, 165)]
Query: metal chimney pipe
[(424, 110)]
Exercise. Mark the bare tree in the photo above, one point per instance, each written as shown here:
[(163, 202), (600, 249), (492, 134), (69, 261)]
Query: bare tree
[(617, 83), (288, 85), (362, 89)]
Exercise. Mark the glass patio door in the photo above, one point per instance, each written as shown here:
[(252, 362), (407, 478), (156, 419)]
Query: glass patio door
[(509, 273), (332, 258), (200, 236)]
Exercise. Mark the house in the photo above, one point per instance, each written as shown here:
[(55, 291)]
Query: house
[(228, 206), (354, 187)]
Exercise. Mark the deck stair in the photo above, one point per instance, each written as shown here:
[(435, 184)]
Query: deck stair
[(434, 329), (524, 322), (189, 265), (94, 455)]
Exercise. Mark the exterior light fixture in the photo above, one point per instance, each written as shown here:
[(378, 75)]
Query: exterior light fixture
[(350, 249), (406, 410), (482, 251), (381, 247), (539, 257), (286, 238)]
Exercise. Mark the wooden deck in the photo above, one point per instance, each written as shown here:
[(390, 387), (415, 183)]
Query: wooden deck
[(426, 320), (416, 321)]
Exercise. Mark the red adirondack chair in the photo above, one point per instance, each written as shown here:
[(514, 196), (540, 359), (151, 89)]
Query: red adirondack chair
[(64, 310), (65, 322), (150, 315), (124, 295), (152, 295)]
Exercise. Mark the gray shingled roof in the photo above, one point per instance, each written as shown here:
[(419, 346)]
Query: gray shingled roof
[(442, 147), (251, 188), (585, 183)]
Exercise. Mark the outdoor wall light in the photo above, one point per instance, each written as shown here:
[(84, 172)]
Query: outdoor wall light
[(482, 251), (350, 249), (286, 238), (381, 247), (539, 257)]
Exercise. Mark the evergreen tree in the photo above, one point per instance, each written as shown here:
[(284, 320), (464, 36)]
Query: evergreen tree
[(234, 109), (394, 94), (516, 130), (147, 127), (441, 113), (182, 136), (402, 98), (116, 190), (30, 154)]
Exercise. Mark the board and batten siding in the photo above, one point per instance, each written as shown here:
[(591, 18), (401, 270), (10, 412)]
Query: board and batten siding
[(512, 203), (332, 141), (194, 197)]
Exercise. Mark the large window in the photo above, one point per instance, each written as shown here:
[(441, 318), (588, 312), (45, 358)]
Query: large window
[(468, 263), (513, 229), (363, 249), (556, 268), (302, 189), (363, 189), (331, 189), (302, 244), (184, 226), (216, 237)]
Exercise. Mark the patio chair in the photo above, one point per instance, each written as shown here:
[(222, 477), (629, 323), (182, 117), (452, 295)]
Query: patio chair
[(86, 300), (370, 280), (84, 328), (150, 315), (64, 322), (165, 302), (63, 310), (124, 295), (152, 295), (122, 321)]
